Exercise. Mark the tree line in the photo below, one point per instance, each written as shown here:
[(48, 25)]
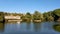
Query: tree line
[(46, 16)]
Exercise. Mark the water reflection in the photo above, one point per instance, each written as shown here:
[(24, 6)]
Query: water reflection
[(1, 27), (56, 27), (28, 27), (36, 27), (28, 24)]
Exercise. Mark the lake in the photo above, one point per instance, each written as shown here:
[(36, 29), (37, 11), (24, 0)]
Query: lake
[(28, 28)]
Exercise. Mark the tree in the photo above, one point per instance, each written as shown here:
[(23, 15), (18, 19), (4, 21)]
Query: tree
[(28, 15), (48, 16), (1, 16), (37, 15), (56, 12)]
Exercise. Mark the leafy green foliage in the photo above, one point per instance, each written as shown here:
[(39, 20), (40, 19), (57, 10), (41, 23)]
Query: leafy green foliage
[(28, 15), (57, 12), (37, 15), (1, 16), (48, 16)]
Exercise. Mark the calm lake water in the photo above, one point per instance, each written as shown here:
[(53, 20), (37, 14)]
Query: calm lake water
[(28, 28)]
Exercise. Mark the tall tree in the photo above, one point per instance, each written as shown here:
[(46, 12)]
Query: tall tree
[(28, 15), (56, 12), (37, 15)]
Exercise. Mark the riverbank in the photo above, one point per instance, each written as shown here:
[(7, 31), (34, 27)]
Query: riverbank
[(35, 17)]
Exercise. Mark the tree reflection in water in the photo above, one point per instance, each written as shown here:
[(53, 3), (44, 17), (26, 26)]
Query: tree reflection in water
[(36, 27), (28, 25), (56, 27), (1, 27)]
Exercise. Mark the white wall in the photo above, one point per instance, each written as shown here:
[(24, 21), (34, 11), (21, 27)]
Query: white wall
[(12, 17)]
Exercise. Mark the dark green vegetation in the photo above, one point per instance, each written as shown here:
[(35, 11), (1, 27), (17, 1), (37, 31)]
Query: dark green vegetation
[(36, 16), (56, 14), (2, 17), (26, 17)]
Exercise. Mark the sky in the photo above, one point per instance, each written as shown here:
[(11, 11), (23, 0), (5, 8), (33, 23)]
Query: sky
[(24, 6)]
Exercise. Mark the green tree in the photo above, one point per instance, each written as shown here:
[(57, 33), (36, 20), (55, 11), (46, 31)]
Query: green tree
[(48, 16), (56, 12), (1, 16), (37, 15), (28, 16)]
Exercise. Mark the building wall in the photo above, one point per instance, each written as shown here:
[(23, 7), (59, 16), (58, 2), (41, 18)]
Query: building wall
[(12, 17)]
